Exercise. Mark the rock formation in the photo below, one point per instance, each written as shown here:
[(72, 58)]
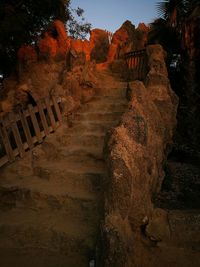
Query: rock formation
[(99, 45), (42, 79), (27, 54), (48, 46), (55, 41), (127, 39), (38, 73), (137, 233), (80, 47)]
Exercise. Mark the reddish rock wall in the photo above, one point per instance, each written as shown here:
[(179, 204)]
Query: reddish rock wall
[(39, 73), (99, 45), (27, 53), (127, 38)]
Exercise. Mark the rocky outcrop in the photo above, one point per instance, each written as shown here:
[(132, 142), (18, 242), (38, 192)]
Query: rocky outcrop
[(55, 43), (127, 39), (78, 87), (48, 46), (136, 151), (80, 47), (41, 73), (60, 33), (42, 79), (27, 54), (99, 45)]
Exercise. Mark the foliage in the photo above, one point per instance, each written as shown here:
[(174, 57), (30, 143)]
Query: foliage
[(22, 21), (77, 26), (163, 34), (178, 30), (170, 27)]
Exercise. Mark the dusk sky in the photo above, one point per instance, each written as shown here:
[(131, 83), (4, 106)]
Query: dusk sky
[(110, 14)]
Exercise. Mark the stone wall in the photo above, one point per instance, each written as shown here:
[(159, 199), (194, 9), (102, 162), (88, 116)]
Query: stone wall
[(136, 151)]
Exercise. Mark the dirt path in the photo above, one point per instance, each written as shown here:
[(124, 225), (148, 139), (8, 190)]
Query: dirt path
[(51, 201)]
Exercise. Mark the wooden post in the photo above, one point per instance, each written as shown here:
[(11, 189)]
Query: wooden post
[(43, 118), (35, 123), (57, 109), (26, 129), (9, 125), (50, 113), (16, 134), (6, 141)]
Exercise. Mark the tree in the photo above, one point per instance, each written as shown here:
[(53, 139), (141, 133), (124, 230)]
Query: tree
[(165, 35), (78, 28), (176, 14), (23, 21), (182, 17)]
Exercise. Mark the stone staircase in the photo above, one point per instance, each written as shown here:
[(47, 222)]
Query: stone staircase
[(51, 202)]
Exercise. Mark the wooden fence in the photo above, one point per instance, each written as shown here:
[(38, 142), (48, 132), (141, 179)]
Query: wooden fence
[(22, 130), (137, 64)]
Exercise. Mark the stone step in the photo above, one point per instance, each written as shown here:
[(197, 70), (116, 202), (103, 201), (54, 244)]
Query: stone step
[(52, 232), (95, 124), (40, 257), (83, 132), (110, 80), (56, 182), (53, 190), (111, 122), (109, 99), (87, 141), (74, 208), (101, 116), (92, 152), (83, 166), (75, 138), (92, 127), (102, 106), (115, 90)]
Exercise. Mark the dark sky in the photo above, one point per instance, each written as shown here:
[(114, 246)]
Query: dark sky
[(110, 14)]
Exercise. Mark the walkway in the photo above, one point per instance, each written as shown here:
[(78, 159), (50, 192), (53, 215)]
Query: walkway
[(51, 202)]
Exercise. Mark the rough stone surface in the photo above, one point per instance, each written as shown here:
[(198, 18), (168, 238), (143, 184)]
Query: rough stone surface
[(42, 79), (61, 37), (127, 39), (48, 47), (58, 54), (99, 45), (27, 54), (136, 233), (80, 46), (55, 43)]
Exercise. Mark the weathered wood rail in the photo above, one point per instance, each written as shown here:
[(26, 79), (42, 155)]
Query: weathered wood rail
[(137, 64), (23, 130)]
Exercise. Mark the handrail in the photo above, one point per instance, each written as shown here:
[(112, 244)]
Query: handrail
[(137, 64), (22, 130), (135, 53)]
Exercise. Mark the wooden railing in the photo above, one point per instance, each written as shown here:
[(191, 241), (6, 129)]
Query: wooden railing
[(137, 64), (22, 130)]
